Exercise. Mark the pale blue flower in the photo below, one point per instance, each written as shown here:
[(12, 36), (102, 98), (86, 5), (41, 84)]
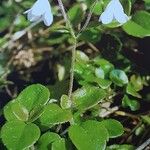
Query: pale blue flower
[(114, 11), (41, 10)]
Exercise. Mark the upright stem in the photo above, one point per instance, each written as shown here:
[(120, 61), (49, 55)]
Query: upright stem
[(72, 69), (73, 50), (88, 17), (66, 18)]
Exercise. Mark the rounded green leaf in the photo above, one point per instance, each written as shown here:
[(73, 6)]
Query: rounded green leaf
[(8, 113), (65, 102), (51, 140), (118, 77), (75, 14), (34, 95), (132, 104), (138, 26), (88, 96), (114, 127), (59, 144), (17, 135), (53, 114), (89, 135), (104, 64), (132, 91), (19, 111)]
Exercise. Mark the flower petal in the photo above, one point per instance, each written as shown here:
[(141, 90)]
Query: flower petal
[(48, 18), (121, 17), (32, 17), (39, 8), (106, 17)]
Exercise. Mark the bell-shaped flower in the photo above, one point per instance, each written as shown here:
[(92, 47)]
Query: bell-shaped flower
[(41, 10), (114, 11)]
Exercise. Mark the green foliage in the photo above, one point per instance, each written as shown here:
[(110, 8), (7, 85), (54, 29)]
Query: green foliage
[(138, 26), (18, 135), (89, 135), (107, 82), (53, 114), (50, 140)]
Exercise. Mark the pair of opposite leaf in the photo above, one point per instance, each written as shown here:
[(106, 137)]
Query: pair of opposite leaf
[(41, 10)]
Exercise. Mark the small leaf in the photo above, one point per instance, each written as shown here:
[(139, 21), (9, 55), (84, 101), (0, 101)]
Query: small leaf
[(146, 119), (65, 102), (130, 90), (53, 115), (59, 145), (136, 82), (99, 73), (133, 104), (104, 84), (89, 135), (36, 113), (76, 14), (114, 127), (118, 77), (19, 111), (87, 97), (81, 57), (104, 64), (138, 26), (8, 113), (34, 95), (50, 140), (17, 135)]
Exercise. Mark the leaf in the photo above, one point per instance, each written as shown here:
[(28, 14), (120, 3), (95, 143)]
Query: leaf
[(146, 119), (99, 73), (91, 34), (118, 77), (138, 26), (36, 113), (114, 127), (104, 64), (136, 82), (17, 135), (8, 112), (19, 111), (50, 140), (104, 84), (89, 135), (134, 105), (59, 145), (65, 102), (53, 115), (33, 96), (81, 57), (130, 90), (87, 97), (75, 14)]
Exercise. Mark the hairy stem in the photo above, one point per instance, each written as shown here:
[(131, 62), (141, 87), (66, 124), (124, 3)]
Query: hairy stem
[(68, 23), (72, 70), (88, 17), (66, 18)]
